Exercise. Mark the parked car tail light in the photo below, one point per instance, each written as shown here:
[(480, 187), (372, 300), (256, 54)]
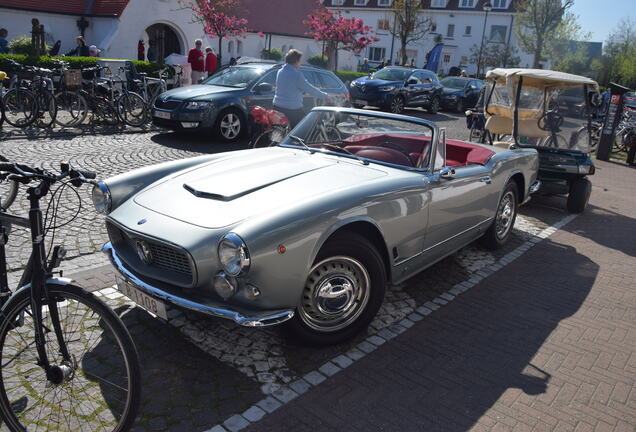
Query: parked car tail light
[(348, 97), (102, 199), (233, 255)]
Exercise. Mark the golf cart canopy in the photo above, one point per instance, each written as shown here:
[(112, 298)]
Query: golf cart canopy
[(541, 78)]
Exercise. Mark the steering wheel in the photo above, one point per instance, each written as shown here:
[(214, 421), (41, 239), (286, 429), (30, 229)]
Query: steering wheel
[(396, 146), (550, 121)]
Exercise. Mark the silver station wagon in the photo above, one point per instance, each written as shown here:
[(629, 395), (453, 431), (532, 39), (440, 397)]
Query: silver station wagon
[(308, 233)]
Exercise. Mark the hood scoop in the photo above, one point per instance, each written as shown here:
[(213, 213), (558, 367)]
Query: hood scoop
[(239, 193)]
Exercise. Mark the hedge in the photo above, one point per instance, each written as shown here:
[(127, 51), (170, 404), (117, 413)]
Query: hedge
[(73, 62), (348, 76)]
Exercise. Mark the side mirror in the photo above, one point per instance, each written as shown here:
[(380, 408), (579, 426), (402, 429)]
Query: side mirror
[(447, 173), (263, 88), (412, 81)]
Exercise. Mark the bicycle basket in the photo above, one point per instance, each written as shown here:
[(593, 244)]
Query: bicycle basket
[(259, 114), (72, 78)]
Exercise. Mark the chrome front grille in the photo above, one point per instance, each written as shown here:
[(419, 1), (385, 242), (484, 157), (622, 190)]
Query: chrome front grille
[(166, 104), (169, 263)]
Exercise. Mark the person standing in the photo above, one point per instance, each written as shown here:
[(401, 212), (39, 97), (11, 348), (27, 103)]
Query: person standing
[(81, 50), (365, 67), (290, 86), (152, 54), (4, 44), (141, 51), (210, 61), (197, 61)]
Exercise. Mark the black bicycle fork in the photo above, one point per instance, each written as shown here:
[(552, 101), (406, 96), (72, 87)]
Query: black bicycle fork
[(37, 271)]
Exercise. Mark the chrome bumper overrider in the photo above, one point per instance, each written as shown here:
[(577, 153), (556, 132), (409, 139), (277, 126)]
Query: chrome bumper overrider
[(535, 187), (258, 319)]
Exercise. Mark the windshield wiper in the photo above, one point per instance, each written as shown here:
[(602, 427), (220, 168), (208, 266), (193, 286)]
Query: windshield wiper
[(302, 142), (342, 149)]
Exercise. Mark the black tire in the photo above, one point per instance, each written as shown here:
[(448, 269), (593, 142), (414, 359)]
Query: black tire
[(499, 232), (132, 109), (229, 125), (459, 106), (580, 190), (71, 108), (358, 106), (105, 112), (8, 192), (270, 137), (20, 107), (346, 258), (47, 109), (476, 135), (396, 106), (433, 108), (93, 374)]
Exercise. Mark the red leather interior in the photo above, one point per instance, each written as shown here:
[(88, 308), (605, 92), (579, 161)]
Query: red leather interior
[(460, 153), (384, 154), (410, 143)]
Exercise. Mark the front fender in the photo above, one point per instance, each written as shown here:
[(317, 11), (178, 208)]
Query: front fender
[(60, 281)]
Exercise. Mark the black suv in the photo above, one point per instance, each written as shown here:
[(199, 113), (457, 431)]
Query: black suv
[(393, 88), (223, 101)]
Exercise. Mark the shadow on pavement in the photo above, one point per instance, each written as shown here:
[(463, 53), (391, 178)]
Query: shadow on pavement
[(202, 143), (183, 388), (450, 369), (7, 133)]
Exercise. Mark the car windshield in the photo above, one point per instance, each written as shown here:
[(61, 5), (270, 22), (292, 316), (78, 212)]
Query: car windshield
[(374, 138), (390, 74), (240, 76), (454, 83)]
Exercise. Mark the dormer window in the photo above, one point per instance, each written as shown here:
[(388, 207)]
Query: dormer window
[(438, 3), (499, 4), (384, 3), (360, 2), (337, 2), (467, 3)]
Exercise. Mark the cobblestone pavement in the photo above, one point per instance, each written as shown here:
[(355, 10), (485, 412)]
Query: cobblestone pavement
[(201, 372)]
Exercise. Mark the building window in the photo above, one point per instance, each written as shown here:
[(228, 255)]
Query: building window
[(377, 54), (467, 3), (438, 3), (498, 33), (360, 2), (230, 47), (499, 4), (337, 2), (450, 31), (383, 24), (447, 58), (468, 31), (384, 3)]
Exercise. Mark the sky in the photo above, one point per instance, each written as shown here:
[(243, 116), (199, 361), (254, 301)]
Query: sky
[(600, 16)]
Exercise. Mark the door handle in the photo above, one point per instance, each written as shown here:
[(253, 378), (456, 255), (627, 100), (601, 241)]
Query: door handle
[(486, 180)]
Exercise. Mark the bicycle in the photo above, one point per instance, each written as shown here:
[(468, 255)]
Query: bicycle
[(275, 127), (131, 108), (551, 121), (477, 125), (19, 104), (42, 87), (71, 106), (67, 358)]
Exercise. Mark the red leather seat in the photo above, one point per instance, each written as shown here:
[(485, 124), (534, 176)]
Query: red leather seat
[(460, 153), (383, 154)]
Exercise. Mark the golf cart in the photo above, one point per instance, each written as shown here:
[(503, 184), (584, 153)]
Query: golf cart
[(532, 108)]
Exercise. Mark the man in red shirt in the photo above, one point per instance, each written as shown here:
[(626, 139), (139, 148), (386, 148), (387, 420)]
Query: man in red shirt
[(210, 61), (196, 60)]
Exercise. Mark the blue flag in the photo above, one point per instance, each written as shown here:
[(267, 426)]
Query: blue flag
[(432, 61)]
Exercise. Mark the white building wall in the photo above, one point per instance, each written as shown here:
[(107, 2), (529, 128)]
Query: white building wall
[(456, 48)]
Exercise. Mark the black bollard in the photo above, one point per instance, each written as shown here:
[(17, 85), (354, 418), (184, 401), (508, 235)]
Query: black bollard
[(612, 118)]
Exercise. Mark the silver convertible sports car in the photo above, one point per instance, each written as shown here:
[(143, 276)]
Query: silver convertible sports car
[(309, 232)]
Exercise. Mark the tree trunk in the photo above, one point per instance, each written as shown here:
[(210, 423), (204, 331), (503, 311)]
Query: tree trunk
[(403, 52), (538, 52), (218, 57)]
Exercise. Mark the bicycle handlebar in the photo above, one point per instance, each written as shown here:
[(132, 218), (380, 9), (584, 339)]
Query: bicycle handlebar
[(25, 174)]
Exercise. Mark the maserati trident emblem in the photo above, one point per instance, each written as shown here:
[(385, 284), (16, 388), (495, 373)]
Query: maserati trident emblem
[(144, 252), (143, 221)]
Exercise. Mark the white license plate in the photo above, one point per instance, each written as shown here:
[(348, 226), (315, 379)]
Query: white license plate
[(151, 304), (161, 114), (359, 102)]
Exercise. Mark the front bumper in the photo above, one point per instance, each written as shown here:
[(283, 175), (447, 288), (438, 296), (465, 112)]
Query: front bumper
[(244, 318), (178, 119)]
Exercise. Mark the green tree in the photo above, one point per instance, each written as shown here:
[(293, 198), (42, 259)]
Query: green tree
[(495, 55), (537, 23), (408, 24)]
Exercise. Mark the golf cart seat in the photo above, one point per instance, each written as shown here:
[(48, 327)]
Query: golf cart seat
[(497, 124)]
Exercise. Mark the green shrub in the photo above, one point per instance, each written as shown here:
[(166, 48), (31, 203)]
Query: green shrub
[(348, 76), (22, 45), (273, 54), (318, 60), (73, 62)]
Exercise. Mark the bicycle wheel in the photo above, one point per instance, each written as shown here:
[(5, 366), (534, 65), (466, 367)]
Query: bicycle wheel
[(8, 192), (20, 107), (71, 108), (105, 112), (131, 109), (101, 390), (47, 108), (269, 137)]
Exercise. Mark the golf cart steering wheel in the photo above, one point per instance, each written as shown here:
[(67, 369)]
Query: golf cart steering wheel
[(550, 121)]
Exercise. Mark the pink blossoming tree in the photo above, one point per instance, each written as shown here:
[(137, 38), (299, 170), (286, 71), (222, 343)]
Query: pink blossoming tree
[(338, 32), (218, 20)]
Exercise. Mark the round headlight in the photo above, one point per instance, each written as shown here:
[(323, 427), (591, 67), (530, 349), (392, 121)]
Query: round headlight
[(101, 198), (233, 255), (224, 286)]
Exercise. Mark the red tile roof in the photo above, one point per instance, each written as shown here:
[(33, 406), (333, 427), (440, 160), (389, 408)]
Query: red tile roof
[(282, 17), (70, 7)]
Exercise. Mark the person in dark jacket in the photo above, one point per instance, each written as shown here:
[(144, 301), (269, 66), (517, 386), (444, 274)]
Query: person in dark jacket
[(141, 51), (81, 50), (56, 49)]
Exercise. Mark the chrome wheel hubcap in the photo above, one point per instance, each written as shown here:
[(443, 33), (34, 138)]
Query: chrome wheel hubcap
[(335, 294), (505, 214), (230, 126)]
